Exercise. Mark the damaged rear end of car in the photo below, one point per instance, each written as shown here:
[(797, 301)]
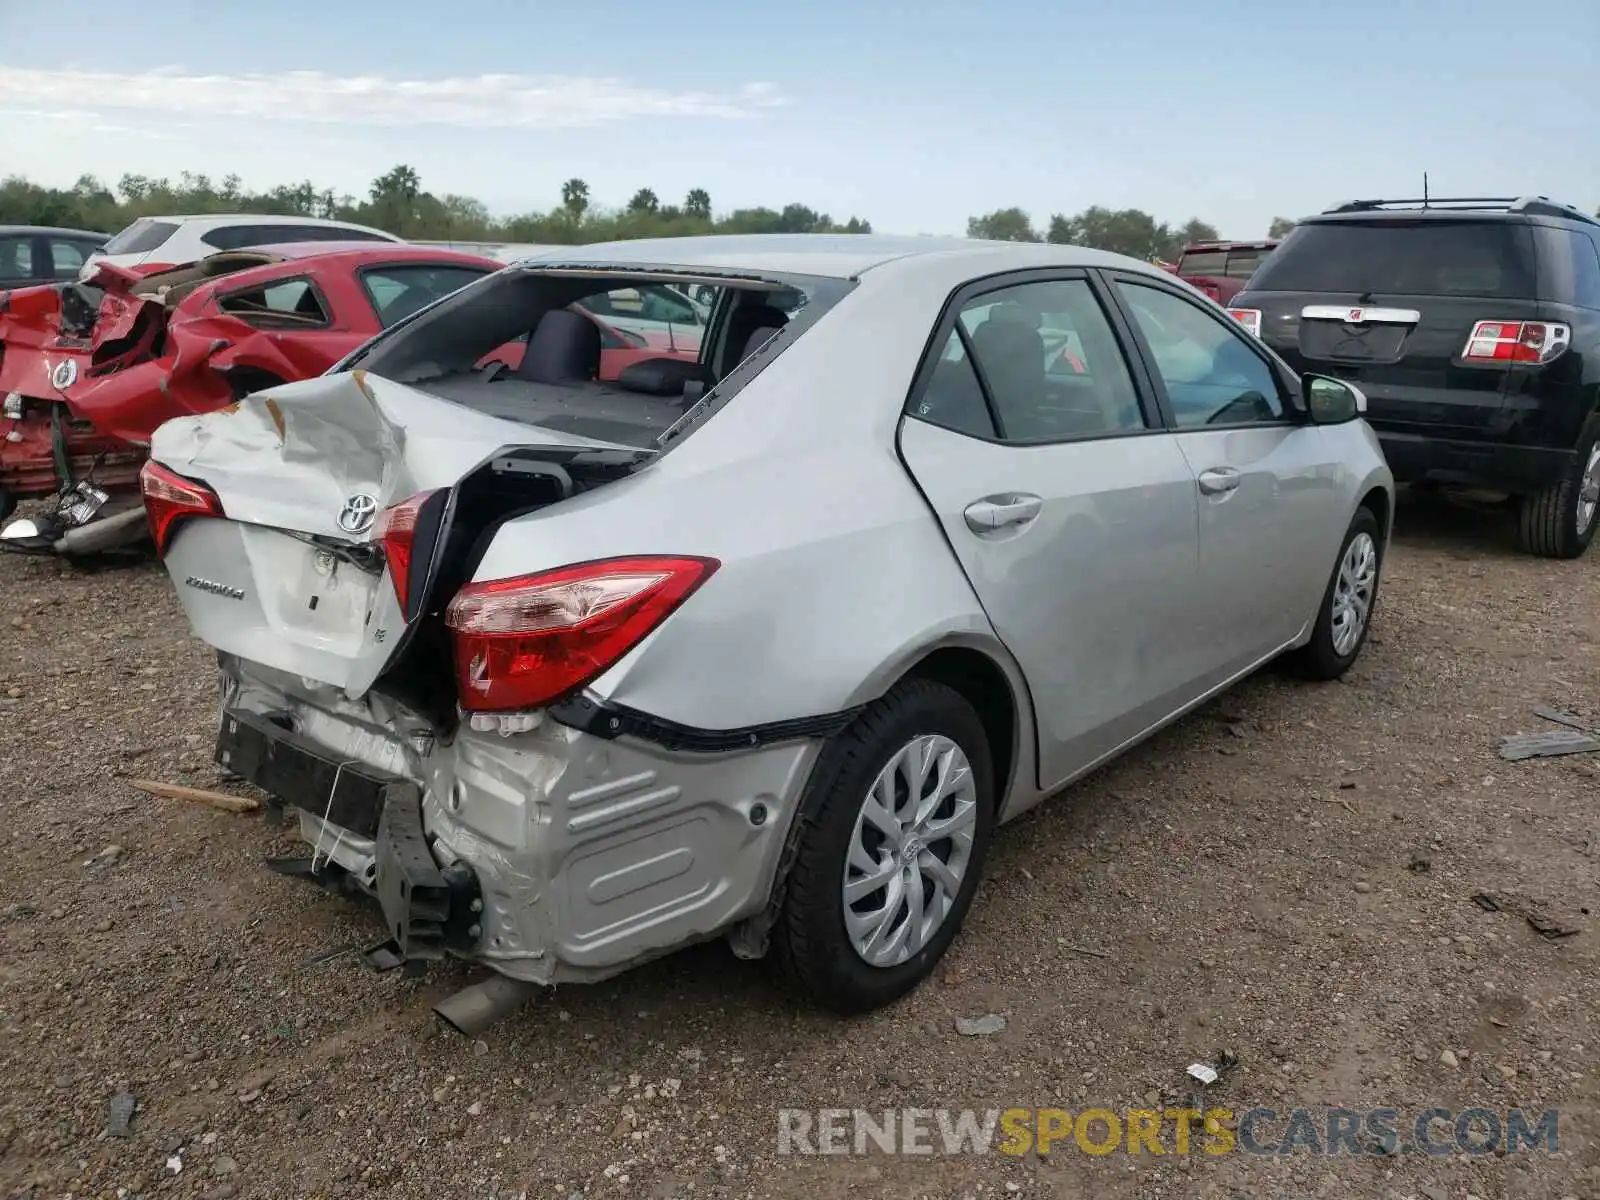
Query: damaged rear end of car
[(427, 718)]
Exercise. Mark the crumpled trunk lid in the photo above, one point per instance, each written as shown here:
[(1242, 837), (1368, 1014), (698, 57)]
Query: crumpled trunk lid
[(292, 577)]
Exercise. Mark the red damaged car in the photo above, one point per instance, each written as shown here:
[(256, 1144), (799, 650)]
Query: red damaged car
[(89, 370)]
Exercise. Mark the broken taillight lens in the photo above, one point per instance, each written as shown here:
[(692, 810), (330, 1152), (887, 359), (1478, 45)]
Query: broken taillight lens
[(1516, 342), (396, 531), (170, 498), (523, 642)]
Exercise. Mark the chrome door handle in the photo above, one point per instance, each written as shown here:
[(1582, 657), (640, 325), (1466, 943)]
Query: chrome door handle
[(1218, 480), (998, 512)]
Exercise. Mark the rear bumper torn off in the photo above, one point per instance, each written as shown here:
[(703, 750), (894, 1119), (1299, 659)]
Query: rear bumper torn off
[(552, 855)]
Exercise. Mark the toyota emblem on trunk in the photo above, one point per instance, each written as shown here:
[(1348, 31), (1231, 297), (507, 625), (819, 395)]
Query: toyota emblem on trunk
[(64, 375), (357, 514)]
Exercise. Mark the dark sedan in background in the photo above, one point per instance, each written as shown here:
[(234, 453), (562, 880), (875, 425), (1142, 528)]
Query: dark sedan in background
[(35, 254)]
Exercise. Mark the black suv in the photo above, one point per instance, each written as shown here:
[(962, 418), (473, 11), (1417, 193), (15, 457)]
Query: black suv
[(1473, 327)]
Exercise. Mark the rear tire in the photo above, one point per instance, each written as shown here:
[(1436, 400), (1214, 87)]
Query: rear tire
[(8, 504), (823, 943), (1352, 595), (1559, 521)]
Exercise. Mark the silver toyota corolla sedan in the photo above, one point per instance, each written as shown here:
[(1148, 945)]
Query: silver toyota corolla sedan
[(569, 654)]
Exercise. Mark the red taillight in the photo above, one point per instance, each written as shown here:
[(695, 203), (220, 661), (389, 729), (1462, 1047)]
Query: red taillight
[(523, 642), (1516, 342), (1250, 318), (170, 498), (396, 531)]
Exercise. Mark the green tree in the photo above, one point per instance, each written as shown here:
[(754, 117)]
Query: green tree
[(1003, 225), (1280, 227), (575, 199), (397, 201), (394, 199)]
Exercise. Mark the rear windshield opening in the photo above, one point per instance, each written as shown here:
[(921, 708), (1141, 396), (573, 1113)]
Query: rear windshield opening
[(141, 237), (617, 356), (1429, 257)]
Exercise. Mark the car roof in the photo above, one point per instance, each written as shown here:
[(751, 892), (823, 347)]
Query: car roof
[(247, 219), (386, 251), (13, 230), (1538, 209), (838, 256)]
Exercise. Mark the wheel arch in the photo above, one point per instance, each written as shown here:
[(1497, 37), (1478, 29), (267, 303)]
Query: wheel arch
[(985, 674)]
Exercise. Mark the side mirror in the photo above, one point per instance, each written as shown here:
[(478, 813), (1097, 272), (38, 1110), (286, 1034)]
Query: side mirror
[(1331, 401)]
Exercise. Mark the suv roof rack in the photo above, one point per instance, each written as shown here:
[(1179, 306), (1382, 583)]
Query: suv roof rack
[(1539, 206)]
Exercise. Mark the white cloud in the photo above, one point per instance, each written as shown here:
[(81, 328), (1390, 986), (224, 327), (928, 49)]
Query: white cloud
[(474, 101)]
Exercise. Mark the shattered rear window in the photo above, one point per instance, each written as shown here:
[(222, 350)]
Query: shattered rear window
[(618, 355), (141, 237)]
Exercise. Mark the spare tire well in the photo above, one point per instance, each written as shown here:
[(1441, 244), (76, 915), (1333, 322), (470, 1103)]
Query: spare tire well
[(983, 684)]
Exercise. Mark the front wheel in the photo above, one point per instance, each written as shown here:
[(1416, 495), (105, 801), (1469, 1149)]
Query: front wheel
[(896, 823), (1559, 520), (1346, 612)]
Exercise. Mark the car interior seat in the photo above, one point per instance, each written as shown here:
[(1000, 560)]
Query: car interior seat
[(564, 348)]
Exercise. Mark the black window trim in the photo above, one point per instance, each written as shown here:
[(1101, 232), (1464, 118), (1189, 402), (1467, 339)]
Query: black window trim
[(1287, 398), (407, 264), (332, 322), (1151, 406)]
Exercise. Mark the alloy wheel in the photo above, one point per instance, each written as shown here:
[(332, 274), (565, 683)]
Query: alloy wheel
[(909, 850), (1353, 592)]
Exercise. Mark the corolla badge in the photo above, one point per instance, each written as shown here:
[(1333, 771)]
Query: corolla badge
[(64, 375), (358, 513)]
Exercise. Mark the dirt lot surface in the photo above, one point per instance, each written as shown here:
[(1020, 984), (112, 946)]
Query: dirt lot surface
[(1288, 874)]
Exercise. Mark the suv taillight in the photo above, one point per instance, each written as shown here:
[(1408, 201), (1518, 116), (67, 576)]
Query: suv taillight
[(1250, 318), (170, 498), (523, 642), (1516, 342), (396, 531)]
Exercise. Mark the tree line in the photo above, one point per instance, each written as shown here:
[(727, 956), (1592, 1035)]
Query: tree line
[(397, 202), (1129, 231)]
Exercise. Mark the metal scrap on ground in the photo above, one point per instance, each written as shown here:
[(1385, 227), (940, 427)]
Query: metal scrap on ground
[(119, 1115), (174, 791), (1577, 738)]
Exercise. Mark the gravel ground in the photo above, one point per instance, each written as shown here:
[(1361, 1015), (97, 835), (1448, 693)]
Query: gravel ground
[(1288, 874)]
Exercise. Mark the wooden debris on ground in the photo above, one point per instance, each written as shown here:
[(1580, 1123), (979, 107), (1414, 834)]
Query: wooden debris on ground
[(175, 791)]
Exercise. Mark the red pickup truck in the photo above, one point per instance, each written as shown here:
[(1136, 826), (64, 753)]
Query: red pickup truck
[(1221, 269)]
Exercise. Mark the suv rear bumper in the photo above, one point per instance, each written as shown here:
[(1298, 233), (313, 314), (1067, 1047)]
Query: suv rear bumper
[(1417, 459)]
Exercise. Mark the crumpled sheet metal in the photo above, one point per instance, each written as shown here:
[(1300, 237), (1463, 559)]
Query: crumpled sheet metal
[(293, 463)]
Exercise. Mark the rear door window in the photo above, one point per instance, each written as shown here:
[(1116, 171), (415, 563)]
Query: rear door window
[(1428, 257), (16, 257), (398, 292), (68, 255), (1038, 359), (143, 236), (291, 304)]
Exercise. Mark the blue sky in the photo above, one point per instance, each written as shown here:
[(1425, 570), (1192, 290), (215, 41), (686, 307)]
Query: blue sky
[(913, 116)]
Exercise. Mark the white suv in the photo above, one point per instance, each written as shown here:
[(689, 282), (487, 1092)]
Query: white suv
[(176, 241)]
